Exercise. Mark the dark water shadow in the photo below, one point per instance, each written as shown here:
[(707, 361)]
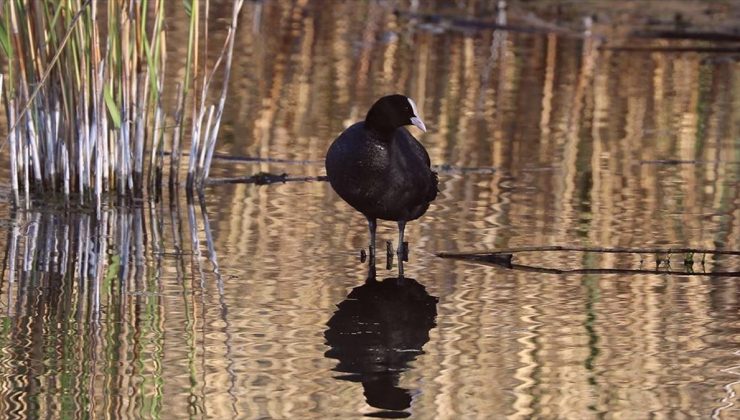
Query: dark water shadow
[(375, 333)]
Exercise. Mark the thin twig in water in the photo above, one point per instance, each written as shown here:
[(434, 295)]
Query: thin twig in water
[(264, 179), (593, 249)]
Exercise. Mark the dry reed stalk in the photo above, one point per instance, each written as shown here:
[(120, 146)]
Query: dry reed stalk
[(140, 110), (191, 62), (154, 172), (25, 162), (177, 135), (155, 47), (209, 143), (222, 100), (13, 150), (194, 144), (206, 136)]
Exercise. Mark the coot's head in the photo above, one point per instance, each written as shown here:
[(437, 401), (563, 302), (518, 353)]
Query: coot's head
[(393, 111)]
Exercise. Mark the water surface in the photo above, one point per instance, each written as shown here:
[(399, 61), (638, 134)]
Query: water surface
[(539, 140)]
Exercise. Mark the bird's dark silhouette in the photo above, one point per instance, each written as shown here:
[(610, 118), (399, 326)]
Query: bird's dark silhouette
[(376, 332), (381, 170)]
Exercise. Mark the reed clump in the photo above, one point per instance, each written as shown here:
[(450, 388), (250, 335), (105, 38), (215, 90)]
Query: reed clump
[(83, 97)]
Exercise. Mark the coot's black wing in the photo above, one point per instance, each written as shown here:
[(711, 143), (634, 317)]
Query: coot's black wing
[(418, 148), (420, 151)]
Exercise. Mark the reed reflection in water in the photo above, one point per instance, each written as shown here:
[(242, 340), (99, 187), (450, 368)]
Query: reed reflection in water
[(87, 325)]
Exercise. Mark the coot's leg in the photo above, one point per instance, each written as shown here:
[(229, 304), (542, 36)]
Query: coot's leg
[(372, 224), (370, 272), (399, 250)]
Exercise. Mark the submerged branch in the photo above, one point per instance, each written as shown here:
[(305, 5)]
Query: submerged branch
[(505, 257), (544, 270), (475, 24), (263, 178), (683, 34), (672, 49), (550, 248)]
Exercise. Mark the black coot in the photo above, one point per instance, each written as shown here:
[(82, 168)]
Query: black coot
[(381, 170)]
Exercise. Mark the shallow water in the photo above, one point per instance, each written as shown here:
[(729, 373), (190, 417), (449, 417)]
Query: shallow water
[(539, 140)]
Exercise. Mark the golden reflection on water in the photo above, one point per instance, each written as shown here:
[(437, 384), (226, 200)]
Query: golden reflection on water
[(541, 140)]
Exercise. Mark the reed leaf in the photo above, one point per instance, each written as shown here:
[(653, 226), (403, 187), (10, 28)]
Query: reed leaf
[(110, 103), (5, 40), (188, 5)]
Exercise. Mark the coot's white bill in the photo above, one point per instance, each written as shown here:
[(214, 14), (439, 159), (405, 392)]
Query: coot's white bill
[(417, 122)]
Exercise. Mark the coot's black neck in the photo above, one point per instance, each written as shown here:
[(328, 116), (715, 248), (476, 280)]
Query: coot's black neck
[(380, 124)]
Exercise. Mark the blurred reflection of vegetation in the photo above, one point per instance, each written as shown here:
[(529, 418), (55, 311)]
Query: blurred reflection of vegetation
[(83, 325)]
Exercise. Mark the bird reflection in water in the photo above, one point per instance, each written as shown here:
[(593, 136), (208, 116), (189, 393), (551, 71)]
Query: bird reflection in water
[(375, 333)]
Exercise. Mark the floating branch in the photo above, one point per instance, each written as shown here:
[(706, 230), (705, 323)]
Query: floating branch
[(473, 24), (264, 178), (551, 248), (544, 270), (505, 258), (687, 162), (220, 156), (443, 168), (671, 49), (692, 35)]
